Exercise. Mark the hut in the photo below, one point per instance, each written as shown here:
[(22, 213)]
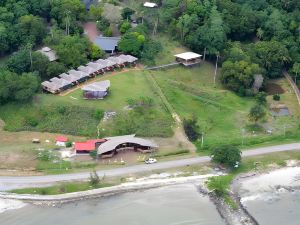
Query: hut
[(81, 76), (150, 5), (128, 142), (61, 141), (96, 90), (108, 44), (188, 58), (88, 69), (49, 53)]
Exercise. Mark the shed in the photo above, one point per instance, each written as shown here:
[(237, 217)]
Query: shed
[(96, 90), (150, 4), (49, 53), (108, 44), (188, 58), (61, 141)]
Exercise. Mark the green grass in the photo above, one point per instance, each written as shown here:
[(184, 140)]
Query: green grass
[(221, 113), (56, 118), (62, 188), (43, 114)]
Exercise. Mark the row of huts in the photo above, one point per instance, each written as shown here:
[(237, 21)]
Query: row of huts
[(73, 77)]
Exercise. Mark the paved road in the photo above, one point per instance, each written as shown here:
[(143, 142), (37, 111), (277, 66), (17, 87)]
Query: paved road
[(12, 182)]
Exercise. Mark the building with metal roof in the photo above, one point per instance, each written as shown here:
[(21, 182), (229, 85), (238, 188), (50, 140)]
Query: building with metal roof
[(108, 44), (188, 58), (127, 142), (96, 90)]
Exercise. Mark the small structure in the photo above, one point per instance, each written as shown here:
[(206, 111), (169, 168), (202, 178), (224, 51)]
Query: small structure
[(128, 142), (150, 5), (96, 90), (108, 44), (258, 82), (88, 146), (61, 141), (49, 53), (36, 141), (188, 58)]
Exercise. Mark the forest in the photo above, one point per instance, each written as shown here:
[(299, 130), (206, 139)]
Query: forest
[(246, 37)]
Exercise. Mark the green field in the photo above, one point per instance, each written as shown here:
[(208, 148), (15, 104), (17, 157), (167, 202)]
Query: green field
[(71, 114), (221, 114)]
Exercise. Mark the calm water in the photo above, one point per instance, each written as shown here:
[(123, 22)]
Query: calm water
[(175, 205)]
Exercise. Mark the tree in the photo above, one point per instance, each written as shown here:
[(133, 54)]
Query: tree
[(40, 64), (132, 43), (96, 52), (237, 75), (261, 98), (256, 113), (94, 179), (127, 13), (227, 155), (96, 12), (32, 29), (191, 128), (19, 62), (73, 50), (54, 69), (125, 26), (296, 70), (112, 13)]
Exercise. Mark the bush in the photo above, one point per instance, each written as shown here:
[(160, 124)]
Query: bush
[(108, 32), (93, 154), (69, 144), (219, 185), (276, 97), (191, 129), (94, 179), (227, 155)]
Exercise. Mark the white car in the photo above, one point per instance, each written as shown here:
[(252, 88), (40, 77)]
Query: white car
[(150, 161)]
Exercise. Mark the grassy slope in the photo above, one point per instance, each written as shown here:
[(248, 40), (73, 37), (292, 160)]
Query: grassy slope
[(221, 113)]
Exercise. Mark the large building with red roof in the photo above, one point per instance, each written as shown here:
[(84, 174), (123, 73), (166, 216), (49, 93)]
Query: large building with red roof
[(88, 146)]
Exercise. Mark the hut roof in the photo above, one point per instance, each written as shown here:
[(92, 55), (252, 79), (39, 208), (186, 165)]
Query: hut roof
[(113, 142), (87, 69), (97, 86), (68, 77), (49, 53), (128, 58), (107, 43), (188, 55), (150, 4)]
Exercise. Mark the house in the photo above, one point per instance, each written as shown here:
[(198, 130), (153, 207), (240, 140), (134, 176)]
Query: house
[(88, 146), (96, 90), (49, 53), (150, 5), (113, 145), (61, 141), (108, 44), (188, 58)]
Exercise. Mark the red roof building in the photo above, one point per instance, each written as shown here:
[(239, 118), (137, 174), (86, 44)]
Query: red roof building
[(61, 139), (88, 146)]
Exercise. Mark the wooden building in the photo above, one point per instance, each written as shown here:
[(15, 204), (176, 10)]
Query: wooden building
[(188, 58)]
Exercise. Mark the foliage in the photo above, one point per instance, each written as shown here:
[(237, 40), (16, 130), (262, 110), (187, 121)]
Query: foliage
[(46, 155), (132, 43), (15, 87), (276, 97), (227, 155), (93, 154), (69, 144), (239, 74), (220, 184), (125, 26), (108, 32), (127, 12), (94, 179), (95, 12), (68, 119), (192, 129), (261, 98), (112, 13), (103, 24), (96, 52), (256, 113)]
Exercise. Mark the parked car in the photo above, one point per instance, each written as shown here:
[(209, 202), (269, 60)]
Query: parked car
[(150, 161)]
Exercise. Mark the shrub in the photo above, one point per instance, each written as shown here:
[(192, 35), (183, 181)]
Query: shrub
[(191, 129), (227, 155), (69, 144), (94, 179), (276, 97), (93, 154)]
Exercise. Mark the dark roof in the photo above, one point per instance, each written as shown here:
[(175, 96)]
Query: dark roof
[(88, 3), (107, 43)]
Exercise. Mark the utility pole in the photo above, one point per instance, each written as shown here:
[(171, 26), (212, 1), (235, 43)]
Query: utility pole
[(67, 22), (202, 139), (204, 54), (216, 69)]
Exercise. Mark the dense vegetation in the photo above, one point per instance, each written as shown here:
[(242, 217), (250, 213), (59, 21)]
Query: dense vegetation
[(74, 120)]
